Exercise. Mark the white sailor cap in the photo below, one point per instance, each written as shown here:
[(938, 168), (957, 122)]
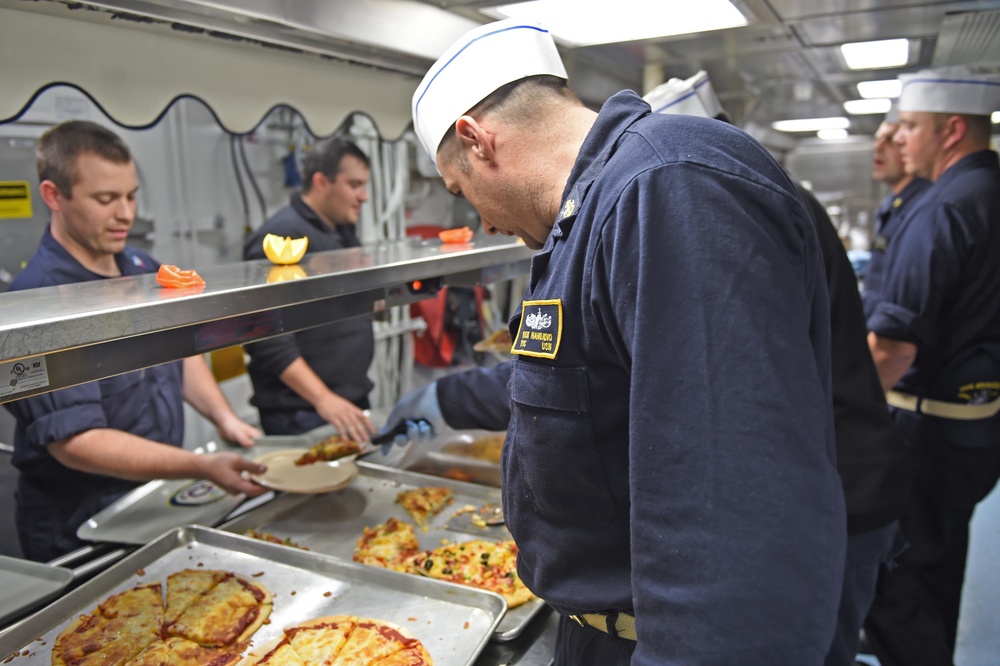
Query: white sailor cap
[(960, 89), (691, 97), (892, 115), (481, 61)]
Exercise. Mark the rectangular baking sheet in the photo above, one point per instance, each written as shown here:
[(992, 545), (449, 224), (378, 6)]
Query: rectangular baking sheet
[(331, 523), (453, 622), (26, 585)]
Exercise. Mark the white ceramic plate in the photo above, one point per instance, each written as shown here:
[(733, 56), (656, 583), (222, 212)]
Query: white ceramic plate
[(322, 477)]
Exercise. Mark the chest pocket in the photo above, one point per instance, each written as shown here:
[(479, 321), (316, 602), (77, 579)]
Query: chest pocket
[(127, 404), (555, 460)]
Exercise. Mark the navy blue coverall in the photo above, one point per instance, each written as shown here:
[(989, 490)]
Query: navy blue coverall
[(887, 220), (940, 293), (670, 451), (52, 499)]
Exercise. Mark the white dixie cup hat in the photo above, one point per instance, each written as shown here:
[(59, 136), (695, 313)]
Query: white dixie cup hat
[(690, 97), (960, 89), (481, 61)]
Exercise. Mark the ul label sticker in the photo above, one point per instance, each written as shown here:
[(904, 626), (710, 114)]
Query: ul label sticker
[(24, 375)]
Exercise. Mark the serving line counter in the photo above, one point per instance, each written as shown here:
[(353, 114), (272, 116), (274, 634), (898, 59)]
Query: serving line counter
[(461, 625), (55, 337), (154, 528)]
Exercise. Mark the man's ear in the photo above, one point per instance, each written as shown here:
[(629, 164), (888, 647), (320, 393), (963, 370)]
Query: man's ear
[(955, 130), (475, 137), (51, 195), (320, 182)]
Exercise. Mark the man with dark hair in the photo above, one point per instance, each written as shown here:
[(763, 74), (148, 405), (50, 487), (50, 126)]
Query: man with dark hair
[(935, 338), (320, 375), (78, 449), (669, 472)]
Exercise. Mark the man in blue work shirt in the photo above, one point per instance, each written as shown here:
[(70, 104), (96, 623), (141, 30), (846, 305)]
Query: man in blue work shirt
[(935, 338), (669, 472), (320, 375), (904, 190), (79, 449)]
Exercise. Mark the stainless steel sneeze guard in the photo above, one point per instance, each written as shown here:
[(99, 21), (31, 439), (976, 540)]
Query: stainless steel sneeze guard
[(98, 329), (453, 622)]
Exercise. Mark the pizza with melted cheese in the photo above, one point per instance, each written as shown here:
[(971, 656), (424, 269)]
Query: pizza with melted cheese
[(331, 448), (281, 654), (342, 640), (185, 587), (207, 616), (487, 565), (425, 502), (387, 545), (114, 632), (176, 651), (228, 613)]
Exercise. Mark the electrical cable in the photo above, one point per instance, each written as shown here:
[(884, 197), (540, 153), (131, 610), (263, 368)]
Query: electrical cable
[(239, 182), (253, 181)]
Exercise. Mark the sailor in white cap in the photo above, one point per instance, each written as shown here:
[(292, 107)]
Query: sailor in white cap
[(935, 337), (687, 97), (870, 455), (668, 472)]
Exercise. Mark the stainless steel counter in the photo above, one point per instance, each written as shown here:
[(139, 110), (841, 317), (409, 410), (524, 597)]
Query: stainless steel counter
[(56, 337)]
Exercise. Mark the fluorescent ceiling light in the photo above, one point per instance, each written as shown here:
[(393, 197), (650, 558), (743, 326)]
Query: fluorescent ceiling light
[(832, 134), (811, 124), (876, 55), (857, 107), (583, 22), (875, 89)]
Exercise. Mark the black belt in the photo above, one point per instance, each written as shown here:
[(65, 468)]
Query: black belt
[(618, 624)]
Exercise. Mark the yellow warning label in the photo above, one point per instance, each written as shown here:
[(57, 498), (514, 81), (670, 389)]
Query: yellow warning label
[(15, 199)]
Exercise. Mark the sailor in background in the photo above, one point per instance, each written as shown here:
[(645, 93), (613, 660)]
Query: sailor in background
[(935, 337), (668, 472), (870, 455), (904, 190), (307, 379), (79, 449)]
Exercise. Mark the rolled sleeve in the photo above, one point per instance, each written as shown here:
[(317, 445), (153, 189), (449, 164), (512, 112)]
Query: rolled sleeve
[(55, 416), (896, 322)]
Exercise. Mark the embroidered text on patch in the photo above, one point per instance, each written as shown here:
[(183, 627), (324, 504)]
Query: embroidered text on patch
[(540, 330)]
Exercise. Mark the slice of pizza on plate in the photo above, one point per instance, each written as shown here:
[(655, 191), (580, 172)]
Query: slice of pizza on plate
[(332, 448)]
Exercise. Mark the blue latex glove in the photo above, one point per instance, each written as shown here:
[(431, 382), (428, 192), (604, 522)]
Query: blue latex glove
[(421, 412)]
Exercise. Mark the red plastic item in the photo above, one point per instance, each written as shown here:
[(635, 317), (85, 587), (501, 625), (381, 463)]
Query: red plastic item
[(172, 277), (460, 235)]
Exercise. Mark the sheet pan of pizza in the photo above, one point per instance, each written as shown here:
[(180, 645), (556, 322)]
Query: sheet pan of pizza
[(217, 597), (333, 523)]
